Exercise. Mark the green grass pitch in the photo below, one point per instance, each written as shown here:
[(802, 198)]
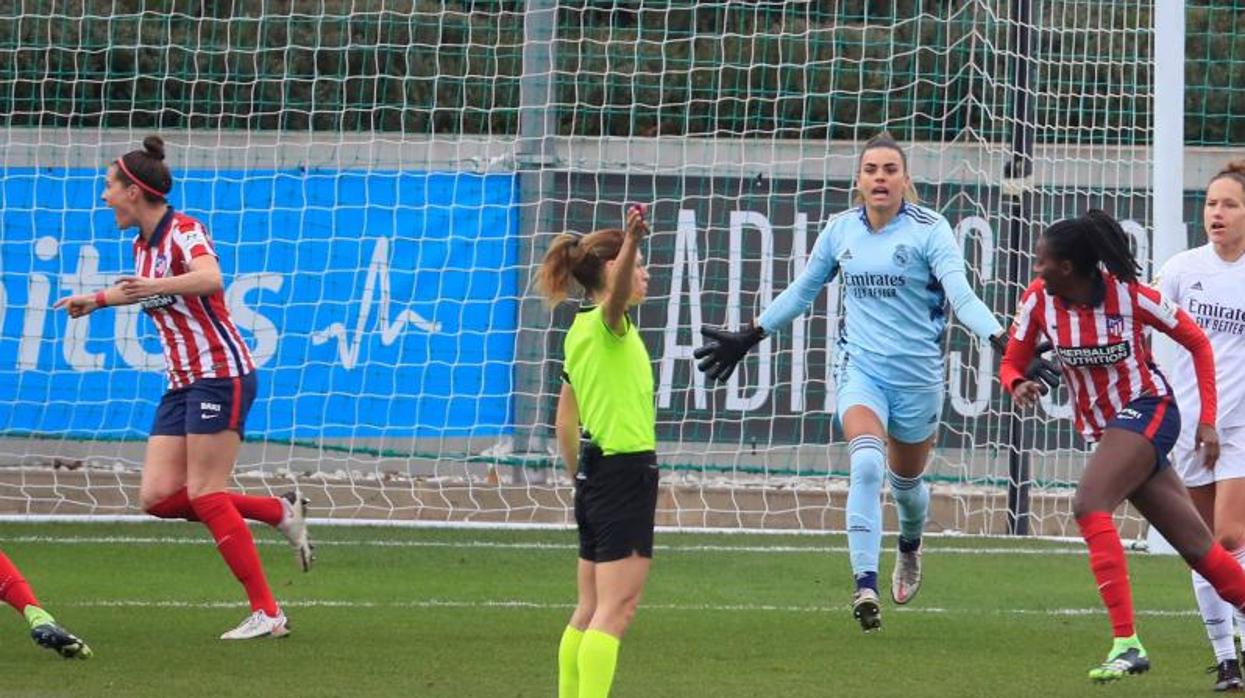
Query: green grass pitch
[(403, 612)]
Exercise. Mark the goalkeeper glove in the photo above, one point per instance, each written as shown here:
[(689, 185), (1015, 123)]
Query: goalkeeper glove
[(1042, 370), (723, 350)]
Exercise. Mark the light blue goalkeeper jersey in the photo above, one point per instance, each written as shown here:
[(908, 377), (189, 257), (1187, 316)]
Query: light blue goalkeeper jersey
[(897, 283)]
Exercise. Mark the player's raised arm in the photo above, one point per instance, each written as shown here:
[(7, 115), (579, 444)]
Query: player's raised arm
[(725, 348)]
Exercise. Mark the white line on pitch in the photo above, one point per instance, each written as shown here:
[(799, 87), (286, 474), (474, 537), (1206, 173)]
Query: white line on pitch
[(780, 549), (516, 604)]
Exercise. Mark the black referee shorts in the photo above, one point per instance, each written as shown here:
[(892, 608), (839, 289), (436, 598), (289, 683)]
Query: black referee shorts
[(615, 504)]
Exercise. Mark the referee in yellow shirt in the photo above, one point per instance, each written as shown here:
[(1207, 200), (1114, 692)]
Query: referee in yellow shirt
[(608, 389)]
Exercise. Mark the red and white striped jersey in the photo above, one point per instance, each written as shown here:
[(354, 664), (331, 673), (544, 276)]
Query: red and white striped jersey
[(1103, 348), (199, 338)]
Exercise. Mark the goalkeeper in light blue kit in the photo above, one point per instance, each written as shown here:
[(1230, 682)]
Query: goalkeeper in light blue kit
[(901, 268)]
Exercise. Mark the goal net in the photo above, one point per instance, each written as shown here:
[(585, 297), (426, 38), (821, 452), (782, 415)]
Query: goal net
[(382, 178)]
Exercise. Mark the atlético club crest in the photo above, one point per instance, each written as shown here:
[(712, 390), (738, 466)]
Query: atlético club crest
[(1115, 326), (161, 265)]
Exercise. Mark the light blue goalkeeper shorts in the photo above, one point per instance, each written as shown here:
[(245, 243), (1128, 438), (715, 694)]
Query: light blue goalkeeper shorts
[(911, 415)]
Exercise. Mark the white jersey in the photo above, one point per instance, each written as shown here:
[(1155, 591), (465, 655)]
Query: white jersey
[(1213, 292)]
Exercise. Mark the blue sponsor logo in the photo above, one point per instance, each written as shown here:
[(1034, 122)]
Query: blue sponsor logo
[(374, 303)]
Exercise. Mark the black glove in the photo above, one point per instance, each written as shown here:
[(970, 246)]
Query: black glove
[(723, 350), (1040, 369)]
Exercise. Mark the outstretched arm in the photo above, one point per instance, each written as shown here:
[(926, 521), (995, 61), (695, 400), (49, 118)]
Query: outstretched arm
[(799, 296), (968, 308), (723, 348)]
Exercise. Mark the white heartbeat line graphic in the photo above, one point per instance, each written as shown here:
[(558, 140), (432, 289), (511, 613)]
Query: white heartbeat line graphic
[(347, 347)]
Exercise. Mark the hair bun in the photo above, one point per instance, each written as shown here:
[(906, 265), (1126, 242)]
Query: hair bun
[(1236, 167), (154, 145)]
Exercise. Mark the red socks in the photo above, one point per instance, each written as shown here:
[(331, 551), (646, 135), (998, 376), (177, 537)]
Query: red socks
[(174, 506), (1224, 573), (263, 509), (233, 540), (13, 588), (1106, 559)]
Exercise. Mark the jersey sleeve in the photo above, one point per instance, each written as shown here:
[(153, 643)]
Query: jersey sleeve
[(942, 252), (946, 263), (799, 296), (192, 239), (1022, 338), (968, 308), (1167, 281), (1156, 311)]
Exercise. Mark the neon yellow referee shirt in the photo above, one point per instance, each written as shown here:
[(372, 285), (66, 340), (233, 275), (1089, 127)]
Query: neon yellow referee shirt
[(613, 381)]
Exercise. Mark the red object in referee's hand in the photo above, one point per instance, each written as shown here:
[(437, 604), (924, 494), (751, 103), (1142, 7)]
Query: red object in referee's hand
[(639, 208)]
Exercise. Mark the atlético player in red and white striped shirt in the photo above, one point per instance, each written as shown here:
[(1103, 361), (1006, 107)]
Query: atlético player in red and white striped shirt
[(200, 421), (199, 338), (1089, 303)]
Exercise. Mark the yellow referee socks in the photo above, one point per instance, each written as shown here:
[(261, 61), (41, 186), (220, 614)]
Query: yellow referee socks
[(598, 655), (568, 662)]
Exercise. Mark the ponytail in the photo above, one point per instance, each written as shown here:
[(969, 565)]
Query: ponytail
[(577, 260), (1111, 244), (1092, 240), (146, 169)]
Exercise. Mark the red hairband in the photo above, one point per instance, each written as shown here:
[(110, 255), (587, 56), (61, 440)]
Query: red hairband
[(135, 180)]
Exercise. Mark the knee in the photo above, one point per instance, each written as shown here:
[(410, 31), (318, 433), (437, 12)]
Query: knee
[(195, 490), (867, 461), (1230, 537), (906, 487), (1082, 506), (149, 500), (1079, 508), (616, 616), (582, 615)]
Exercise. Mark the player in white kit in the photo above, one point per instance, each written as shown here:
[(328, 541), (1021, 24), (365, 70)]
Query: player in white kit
[(1209, 283)]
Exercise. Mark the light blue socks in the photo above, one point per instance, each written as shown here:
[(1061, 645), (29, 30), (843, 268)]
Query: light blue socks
[(864, 505), (911, 496)]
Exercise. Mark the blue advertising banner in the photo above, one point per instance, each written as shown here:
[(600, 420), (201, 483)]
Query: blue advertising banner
[(375, 303)]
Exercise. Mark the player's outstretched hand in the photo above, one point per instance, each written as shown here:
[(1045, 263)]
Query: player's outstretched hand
[(1040, 370), (1026, 393), (77, 306), (723, 349)]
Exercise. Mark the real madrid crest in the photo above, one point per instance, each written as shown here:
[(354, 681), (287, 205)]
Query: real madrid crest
[(902, 256)]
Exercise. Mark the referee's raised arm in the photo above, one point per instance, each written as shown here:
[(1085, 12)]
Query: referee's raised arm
[(622, 273)]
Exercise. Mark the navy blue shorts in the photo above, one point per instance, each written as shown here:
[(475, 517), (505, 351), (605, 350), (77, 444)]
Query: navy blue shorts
[(207, 406), (1156, 418)]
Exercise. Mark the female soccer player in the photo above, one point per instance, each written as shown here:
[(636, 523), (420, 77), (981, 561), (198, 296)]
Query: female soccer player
[(43, 627), (1209, 283), (1088, 302), (608, 389), (200, 421), (900, 265)]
